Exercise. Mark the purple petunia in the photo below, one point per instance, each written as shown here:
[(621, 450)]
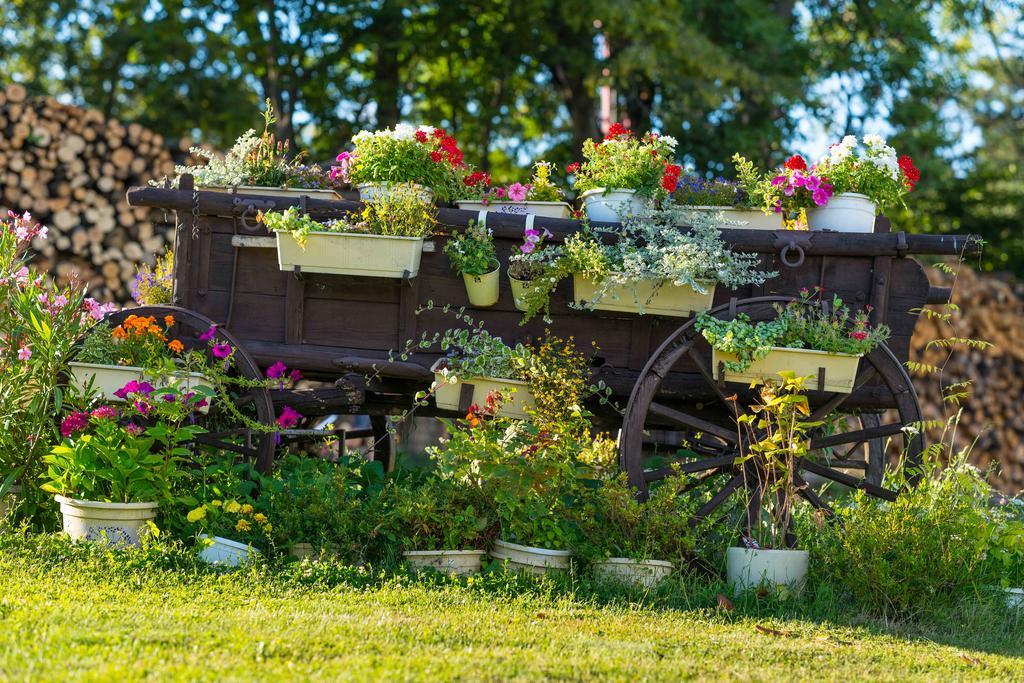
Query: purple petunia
[(209, 334), (135, 387), (277, 370), (222, 350), (289, 418)]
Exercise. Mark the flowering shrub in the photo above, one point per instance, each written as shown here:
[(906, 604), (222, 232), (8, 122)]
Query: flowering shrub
[(801, 324), (623, 161), (230, 518), (800, 187), (472, 252), (154, 285), (399, 213), (874, 171), (439, 513), (425, 155), (478, 186), (39, 324), (139, 341)]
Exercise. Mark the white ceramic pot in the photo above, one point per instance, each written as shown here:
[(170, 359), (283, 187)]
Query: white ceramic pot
[(735, 218), (345, 253), (9, 501), (483, 290), (117, 524), (519, 288), (529, 559), (846, 212), (516, 393), (1015, 598), (748, 568), (840, 369), (642, 573), (291, 192), (546, 209), (613, 205), (107, 379), (647, 296), (225, 552), (369, 192), (450, 562)]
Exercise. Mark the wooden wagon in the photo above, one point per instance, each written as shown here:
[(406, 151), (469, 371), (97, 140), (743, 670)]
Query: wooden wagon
[(338, 329)]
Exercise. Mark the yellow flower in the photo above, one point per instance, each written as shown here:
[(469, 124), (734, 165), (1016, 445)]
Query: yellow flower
[(243, 525), (247, 509), (216, 503), (197, 514), (232, 506), (260, 517), (268, 528)]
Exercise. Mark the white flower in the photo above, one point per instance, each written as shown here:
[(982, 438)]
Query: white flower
[(403, 131), (849, 142), (670, 141), (429, 130), (874, 141), (362, 136)]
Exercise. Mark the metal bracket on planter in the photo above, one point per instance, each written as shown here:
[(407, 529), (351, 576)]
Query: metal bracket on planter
[(901, 244), (787, 241), (249, 206), (297, 272), (821, 379), (406, 278)]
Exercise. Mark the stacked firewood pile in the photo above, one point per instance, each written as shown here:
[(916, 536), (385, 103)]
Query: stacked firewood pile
[(70, 167), (991, 310)]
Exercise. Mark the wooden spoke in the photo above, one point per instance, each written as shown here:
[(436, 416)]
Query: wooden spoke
[(716, 500), (859, 435), (852, 482), (712, 382), (805, 490), (692, 467), (831, 405), (226, 446), (694, 423)]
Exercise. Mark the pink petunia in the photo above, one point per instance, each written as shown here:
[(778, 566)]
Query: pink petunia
[(289, 418), (24, 353), (221, 350), (517, 192), (277, 370)]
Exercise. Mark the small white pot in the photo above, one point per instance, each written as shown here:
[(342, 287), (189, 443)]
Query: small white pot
[(317, 193), (751, 219), (225, 552), (117, 524), (1015, 598), (546, 209), (748, 568), (483, 290), (450, 562), (613, 205), (642, 573), (107, 379), (370, 192), (846, 212), (529, 559)]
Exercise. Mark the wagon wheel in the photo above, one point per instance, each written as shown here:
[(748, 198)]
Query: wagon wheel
[(707, 419), (224, 431)]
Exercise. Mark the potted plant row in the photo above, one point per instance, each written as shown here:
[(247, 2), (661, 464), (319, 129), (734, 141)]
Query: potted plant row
[(385, 239), (807, 338), (539, 197)]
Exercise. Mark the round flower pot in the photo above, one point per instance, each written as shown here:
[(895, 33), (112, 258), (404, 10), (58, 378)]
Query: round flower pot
[(846, 212), (546, 209), (1015, 598), (450, 562), (529, 559), (370, 192), (483, 290), (748, 568), (611, 206), (308, 551), (642, 573), (519, 288), (225, 552), (9, 501), (118, 524)]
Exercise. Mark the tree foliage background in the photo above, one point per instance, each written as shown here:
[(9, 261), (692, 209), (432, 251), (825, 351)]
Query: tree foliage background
[(525, 79)]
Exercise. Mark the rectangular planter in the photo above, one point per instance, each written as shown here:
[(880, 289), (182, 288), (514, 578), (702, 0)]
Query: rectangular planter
[(755, 219), (840, 368), (546, 209), (107, 379), (518, 397), (340, 253), (291, 192), (668, 299)]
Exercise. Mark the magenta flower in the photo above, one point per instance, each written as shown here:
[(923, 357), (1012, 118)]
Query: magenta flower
[(517, 192), (104, 413), (277, 370), (821, 196), (24, 353), (209, 334), (74, 423), (499, 192), (222, 350), (134, 387), (289, 418), (142, 407), (295, 375), (133, 429)]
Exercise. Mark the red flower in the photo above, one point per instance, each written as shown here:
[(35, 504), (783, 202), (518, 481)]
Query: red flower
[(436, 156), (859, 334), (573, 168), (421, 136), (910, 172), (669, 183), (796, 163), (439, 133), (616, 130), (673, 170)]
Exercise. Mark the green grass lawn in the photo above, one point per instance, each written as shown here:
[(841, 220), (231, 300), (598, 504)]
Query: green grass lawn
[(68, 613)]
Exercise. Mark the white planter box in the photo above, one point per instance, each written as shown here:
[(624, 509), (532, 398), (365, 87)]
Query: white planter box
[(846, 212), (369, 192), (546, 209), (840, 368), (107, 379), (342, 253), (752, 219), (666, 299), (1015, 598), (117, 524), (642, 573), (450, 562), (529, 559), (614, 205), (291, 192), (748, 568), (516, 393), (225, 552)]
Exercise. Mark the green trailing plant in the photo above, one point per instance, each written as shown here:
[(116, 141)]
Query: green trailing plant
[(472, 252), (801, 324)]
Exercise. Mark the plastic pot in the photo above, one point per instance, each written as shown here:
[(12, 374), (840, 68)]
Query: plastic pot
[(748, 568), (483, 290), (225, 552), (530, 559), (611, 206), (117, 524), (846, 212), (450, 562), (642, 573)]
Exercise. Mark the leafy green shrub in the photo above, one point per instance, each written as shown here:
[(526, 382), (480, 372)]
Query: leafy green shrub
[(472, 252), (438, 513)]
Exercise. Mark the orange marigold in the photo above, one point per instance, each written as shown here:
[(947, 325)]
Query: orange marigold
[(119, 333), (168, 320), (176, 346)]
